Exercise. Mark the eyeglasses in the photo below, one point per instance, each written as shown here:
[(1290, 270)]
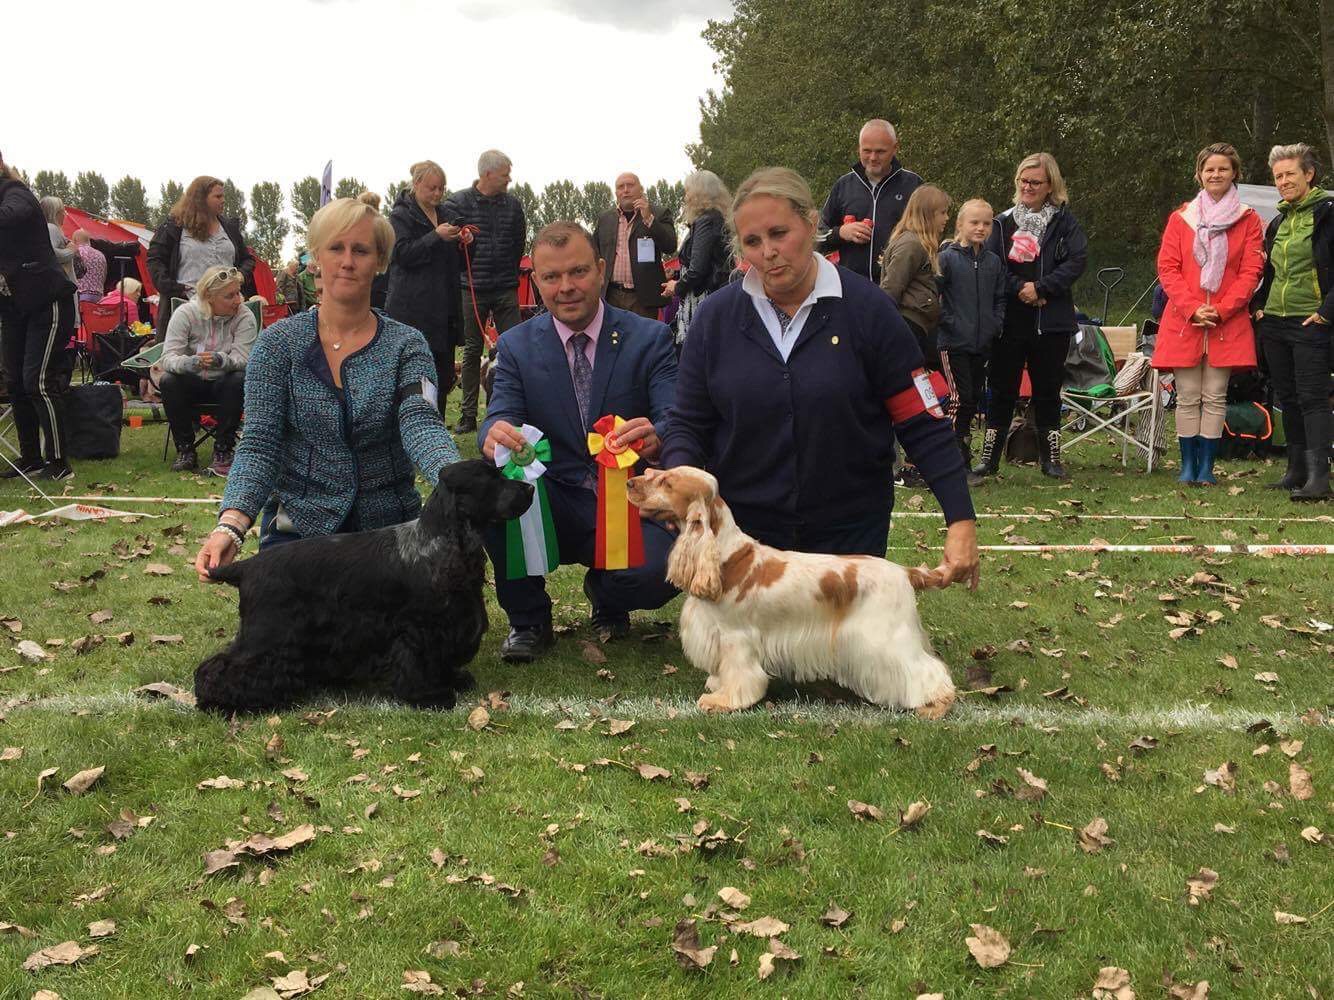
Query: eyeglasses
[(1033, 184)]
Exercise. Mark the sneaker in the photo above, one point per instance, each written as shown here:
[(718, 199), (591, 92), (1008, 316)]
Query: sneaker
[(29, 466), (186, 461), (910, 478), (56, 472), (222, 462)]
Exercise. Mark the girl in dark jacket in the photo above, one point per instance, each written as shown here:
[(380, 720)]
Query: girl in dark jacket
[(972, 299), (36, 322), (706, 255), (1045, 251), (194, 238), (424, 271)]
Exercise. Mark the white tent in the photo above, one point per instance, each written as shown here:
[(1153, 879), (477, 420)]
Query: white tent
[(1261, 197)]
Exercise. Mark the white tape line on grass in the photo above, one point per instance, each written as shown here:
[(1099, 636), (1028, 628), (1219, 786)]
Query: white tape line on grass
[(1181, 550), (1072, 515), (92, 499), (970, 711)]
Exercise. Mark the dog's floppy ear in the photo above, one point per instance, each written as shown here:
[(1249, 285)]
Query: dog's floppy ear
[(694, 565)]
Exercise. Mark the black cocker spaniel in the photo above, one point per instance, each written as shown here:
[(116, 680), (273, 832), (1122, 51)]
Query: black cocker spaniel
[(402, 604)]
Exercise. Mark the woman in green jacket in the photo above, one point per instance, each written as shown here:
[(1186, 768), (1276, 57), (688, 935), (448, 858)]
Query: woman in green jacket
[(1295, 309)]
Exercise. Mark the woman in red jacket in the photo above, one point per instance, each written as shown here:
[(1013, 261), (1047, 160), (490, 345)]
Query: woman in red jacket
[(1210, 262)]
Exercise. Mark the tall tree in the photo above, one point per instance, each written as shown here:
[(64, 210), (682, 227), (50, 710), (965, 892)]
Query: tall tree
[(46, 182), (596, 198), (305, 203), (561, 200), (531, 201), (233, 202), (392, 192), (668, 195), (168, 194), (268, 228), (129, 200), (90, 193), (348, 187)]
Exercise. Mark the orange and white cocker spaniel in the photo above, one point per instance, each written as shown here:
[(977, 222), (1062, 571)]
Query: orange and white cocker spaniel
[(755, 612)]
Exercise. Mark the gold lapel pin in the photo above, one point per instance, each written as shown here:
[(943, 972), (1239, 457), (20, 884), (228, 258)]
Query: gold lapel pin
[(834, 340)]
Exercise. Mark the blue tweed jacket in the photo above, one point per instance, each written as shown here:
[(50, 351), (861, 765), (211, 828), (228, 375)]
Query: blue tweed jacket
[(324, 457)]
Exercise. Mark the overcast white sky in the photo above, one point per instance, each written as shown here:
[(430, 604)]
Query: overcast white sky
[(271, 89)]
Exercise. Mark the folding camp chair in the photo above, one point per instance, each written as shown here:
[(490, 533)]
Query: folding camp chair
[(1134, 413)]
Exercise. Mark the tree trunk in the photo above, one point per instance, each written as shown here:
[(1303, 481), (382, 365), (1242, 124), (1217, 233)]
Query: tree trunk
[(1262, 123), (1327, 65)]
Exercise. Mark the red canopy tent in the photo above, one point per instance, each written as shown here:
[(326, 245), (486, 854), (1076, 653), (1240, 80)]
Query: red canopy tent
[(101, 229)]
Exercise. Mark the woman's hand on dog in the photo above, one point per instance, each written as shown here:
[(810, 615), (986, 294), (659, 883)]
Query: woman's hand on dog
[(218, 549), (961, 563)]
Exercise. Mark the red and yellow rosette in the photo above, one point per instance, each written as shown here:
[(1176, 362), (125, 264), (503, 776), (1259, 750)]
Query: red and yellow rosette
[(620, 538)]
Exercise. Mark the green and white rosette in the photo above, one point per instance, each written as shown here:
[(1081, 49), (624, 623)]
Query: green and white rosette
[(530, 539)]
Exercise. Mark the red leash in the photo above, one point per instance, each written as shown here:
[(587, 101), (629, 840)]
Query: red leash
[(488, 329)]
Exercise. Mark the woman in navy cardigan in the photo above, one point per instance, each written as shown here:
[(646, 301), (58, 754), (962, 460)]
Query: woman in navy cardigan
[(793, 386), (340, 404)]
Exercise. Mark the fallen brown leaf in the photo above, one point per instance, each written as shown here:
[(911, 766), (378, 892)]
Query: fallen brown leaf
[(84, 780), (1288, 918), (1299, 782), (221, 782), (1093, 837), (419, 981), (101, 928), (1035, 788), (158, 569), (778, 952), (1113, 984), (988, 946), (65, 953), (835, 916), (479, 718), (734, 897), (161, 689), (763, 927), (685, 945), (1200, 885), (865, 811), (1223, 777), (651, 772), (914, 814)]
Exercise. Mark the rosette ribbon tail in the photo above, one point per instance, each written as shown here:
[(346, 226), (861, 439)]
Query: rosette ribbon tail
[(530, 539), (619, 542)]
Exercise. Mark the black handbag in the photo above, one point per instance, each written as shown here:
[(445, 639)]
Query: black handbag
[(93, 413)]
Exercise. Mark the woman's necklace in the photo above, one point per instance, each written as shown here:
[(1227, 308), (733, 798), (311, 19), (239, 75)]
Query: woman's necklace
[(337, 345)]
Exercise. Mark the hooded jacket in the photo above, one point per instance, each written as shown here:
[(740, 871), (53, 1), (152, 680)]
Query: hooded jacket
[(883, 203), (907, 278), (423, 275), (191, 333), (28, 267), (497, 247), (1322, 251), (1062, 258), (972, 299)]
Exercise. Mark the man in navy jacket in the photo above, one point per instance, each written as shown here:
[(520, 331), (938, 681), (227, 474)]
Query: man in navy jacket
[(876, 188), (621, 364)]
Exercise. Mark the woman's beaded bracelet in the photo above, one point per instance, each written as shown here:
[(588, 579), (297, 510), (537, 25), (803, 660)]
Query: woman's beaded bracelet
[(231, 533)]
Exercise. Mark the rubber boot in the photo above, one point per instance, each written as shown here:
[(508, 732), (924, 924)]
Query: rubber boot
[(1189, 453), (993, 444), (1049, 453), (1206, 450), (1317, 481), (1296, 474)]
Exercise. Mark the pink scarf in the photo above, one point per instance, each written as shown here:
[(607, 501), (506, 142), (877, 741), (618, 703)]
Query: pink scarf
[(1212, 221)]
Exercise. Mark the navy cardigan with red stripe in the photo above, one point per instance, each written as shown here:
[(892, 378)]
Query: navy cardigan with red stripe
[(809, 440)]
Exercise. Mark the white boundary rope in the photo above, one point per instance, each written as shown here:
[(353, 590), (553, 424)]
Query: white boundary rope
[(1184, 550), (1326, 519), (166, 500)]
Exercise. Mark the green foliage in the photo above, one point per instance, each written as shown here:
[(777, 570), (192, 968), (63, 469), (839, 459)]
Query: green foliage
[(47, 182), (668, 196), (233, 202), (1123, 94), (597, 198), (348, 187), (391, 194), (561, 200), (532, 208), (90, 193), (305, 203), (129, 200), (168, 194), (268, 228)]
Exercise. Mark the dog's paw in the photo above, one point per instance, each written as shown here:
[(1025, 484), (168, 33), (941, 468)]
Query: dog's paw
[(711, 682), (938, 707), (712, 703)]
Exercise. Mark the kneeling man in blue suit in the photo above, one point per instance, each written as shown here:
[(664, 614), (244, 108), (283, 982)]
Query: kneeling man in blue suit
[(561, 371)]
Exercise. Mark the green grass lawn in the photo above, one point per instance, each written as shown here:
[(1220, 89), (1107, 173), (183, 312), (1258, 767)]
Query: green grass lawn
[(534, 858)]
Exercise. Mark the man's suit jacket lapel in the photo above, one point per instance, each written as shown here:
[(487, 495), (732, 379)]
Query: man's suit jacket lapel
[(551, 352), (604, 361)]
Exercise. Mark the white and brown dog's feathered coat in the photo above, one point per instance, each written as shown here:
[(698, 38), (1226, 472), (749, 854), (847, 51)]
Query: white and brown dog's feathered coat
[(756, 612)]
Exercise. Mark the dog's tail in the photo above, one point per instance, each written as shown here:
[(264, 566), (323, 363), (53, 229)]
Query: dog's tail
[(922, 578), (231, 573)]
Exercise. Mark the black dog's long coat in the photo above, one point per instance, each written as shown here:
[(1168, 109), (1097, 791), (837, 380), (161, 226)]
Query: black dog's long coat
[(403, 603)]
